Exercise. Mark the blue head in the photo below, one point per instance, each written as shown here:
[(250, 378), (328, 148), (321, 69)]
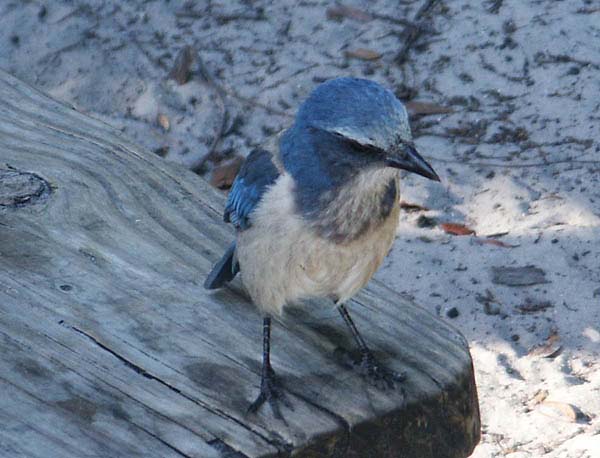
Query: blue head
[(355, 123)]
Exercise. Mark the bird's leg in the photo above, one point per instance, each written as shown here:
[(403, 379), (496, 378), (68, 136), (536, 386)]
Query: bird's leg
[(270, 387), (376, 373)]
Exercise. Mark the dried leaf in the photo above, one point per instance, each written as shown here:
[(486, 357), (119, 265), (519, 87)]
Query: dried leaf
[(412, 208), (539, 397), (497, 234), (550, 348), (163, 121), (532, 306), (491, 309), (223, 175), (456, 229), (495, 242), (183, 63), (363, 54), (339, 12), (425, 108), (491, 306), (563, 411), (518, 276)]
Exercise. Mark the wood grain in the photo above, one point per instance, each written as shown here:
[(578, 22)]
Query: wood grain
[(111, 347)]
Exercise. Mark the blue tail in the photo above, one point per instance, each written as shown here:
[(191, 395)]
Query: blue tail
[(224, 270)]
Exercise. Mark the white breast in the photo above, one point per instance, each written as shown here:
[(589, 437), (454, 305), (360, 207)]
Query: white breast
[(282, 258)]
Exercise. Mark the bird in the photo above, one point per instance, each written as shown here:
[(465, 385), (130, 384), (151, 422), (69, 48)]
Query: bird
[(316, 212)]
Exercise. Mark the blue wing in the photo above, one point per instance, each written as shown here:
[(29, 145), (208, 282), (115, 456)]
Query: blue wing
[(257, 173)]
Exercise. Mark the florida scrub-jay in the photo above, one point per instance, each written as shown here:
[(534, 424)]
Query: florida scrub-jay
[(316, 214)]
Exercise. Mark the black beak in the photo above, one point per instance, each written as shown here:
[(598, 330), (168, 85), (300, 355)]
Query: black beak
[(409, 159)]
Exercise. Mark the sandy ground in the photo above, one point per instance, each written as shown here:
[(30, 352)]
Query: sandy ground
[(518, 155)]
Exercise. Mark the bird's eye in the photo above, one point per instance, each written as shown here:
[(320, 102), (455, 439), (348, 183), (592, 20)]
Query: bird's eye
[(363, 148), (358, 147)]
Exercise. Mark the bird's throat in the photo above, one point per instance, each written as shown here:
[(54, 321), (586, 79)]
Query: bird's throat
[(348, 212)]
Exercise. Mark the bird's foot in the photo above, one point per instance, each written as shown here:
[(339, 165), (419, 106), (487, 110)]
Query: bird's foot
[(378, 374), (272, 392)]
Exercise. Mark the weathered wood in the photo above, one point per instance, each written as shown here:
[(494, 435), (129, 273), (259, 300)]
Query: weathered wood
[(111, 347)]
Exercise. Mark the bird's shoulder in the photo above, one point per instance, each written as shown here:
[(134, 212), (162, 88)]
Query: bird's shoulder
[(259, 171)]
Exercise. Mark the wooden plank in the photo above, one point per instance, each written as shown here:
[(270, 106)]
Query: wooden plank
[(104, 251)]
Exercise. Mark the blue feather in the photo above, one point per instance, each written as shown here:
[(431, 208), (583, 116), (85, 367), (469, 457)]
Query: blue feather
[(257, 173)]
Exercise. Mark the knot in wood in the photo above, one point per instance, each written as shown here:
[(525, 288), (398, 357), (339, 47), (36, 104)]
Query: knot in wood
[(18, 189)]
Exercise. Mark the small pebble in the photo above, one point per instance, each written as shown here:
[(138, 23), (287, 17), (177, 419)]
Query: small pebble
[(426, 221), (452, 312)]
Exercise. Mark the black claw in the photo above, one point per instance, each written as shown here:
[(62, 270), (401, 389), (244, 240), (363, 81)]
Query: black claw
[(372, 370), (377, 374), (271, 391), (270, 387)]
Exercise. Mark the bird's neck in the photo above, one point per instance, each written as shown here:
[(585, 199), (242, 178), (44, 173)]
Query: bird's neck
[(349, 211)]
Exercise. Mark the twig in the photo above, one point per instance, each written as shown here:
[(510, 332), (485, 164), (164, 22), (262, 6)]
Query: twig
[(393, 20), (290, 76), (230, 92), (587, 10), (413, 32), (470, 138), (543, 58), (85, 35), (210, 79), (78, 10), (516, 166), (495, 6)]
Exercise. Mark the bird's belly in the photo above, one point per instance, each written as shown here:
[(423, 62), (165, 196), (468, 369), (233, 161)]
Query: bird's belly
[(340, 271), (282, 260)]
